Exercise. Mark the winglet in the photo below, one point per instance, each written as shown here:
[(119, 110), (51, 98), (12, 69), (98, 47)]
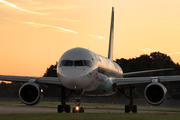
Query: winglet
[(111, 37)]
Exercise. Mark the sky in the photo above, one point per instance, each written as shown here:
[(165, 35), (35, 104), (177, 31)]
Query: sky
[(35, 33)]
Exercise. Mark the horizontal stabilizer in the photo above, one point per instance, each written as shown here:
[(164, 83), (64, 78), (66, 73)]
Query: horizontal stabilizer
[(146, 71)]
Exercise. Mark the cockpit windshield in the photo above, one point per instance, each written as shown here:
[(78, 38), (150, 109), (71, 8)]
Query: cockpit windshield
[(78, 63), (75, 63), (68, 63)]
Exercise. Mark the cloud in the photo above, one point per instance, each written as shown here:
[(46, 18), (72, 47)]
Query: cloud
[(97, 36), (16, 7), (50, 26), (68, 20), (60, 7)]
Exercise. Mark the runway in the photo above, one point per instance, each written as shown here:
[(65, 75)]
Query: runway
[(26, 110)]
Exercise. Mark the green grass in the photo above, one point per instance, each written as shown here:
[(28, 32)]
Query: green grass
[(92, 116), (93, 106)]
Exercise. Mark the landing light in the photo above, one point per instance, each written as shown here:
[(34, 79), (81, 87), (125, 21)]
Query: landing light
[(77, 108)]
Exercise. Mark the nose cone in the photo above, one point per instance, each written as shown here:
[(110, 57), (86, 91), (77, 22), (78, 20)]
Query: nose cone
[(73, 78), (72, 73)]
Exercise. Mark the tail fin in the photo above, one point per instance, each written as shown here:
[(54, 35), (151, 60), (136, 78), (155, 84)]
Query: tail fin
[(111, 38)]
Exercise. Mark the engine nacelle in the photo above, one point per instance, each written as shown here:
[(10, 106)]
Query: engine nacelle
[(155, 93), (30, 93)]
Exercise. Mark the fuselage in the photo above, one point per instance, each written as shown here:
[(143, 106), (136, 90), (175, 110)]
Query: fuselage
[(82, 69)]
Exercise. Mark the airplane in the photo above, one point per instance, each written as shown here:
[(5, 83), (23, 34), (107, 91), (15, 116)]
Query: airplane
[(87, 73)]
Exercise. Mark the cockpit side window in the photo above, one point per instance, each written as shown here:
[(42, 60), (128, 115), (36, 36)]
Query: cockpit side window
[(62, 63), (68, 63), (78, 63), (87, 63)]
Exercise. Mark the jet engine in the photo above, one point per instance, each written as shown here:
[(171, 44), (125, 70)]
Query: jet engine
[(155, 93), (30, 93)]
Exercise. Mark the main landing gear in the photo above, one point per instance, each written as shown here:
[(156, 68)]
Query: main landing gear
[(129, 107), (63, 107)]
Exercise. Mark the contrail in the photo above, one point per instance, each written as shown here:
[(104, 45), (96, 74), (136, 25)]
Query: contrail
[(143, 49), (150, 49), (146, 49), (50, 26), (16, 7), (97, 36), (174, 53)]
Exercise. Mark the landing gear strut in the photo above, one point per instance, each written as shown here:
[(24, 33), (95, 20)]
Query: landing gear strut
[(63, 106), (78, 109), (129, 107)]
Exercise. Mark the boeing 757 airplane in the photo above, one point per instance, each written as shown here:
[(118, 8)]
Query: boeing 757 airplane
[(87, 73)]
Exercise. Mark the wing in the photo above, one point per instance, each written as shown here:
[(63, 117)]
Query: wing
[(126, 82), (23, 79)]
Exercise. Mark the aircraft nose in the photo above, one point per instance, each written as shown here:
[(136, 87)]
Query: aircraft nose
[(72, 73), (73, 78)]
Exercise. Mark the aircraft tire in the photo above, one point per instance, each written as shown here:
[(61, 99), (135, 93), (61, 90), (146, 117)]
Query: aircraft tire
[(127, 109), (134, 109), (68, 109), (73, 110), (59, 109), (81, 110)]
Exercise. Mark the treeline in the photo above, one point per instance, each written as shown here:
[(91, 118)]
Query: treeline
[(155, 60)]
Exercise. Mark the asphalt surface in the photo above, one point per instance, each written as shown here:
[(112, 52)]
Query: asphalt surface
[(26, 110)]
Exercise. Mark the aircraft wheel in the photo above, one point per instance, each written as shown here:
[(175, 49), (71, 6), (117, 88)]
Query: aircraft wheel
[(127, 109), (81, 110), (134, 109), (59, 109), (74, 110), (68, 109)]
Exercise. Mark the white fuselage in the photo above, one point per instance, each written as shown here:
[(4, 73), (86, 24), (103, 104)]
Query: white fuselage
[(81, 69)]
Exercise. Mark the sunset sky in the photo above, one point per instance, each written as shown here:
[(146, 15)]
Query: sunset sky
[(35, 33)]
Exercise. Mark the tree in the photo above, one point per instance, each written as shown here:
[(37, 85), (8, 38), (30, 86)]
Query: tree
[(155, 60), (51, 72)]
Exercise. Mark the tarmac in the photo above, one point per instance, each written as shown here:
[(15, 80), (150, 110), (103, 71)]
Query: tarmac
[(27, 110)]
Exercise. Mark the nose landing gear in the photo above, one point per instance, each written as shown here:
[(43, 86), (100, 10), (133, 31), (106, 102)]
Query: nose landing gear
[(63, 107), (78, 109)]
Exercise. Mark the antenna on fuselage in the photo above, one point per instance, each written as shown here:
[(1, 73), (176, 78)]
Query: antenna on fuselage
[(111, 37)]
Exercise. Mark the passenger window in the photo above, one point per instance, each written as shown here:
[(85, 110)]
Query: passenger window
[(68, 63), (78, 63), (87, 63)]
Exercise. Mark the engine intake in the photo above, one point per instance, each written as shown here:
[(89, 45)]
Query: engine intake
[(155, 93), (30, 93)]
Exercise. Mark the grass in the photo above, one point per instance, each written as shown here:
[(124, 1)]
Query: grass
[(93, 106), (92, 116)]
